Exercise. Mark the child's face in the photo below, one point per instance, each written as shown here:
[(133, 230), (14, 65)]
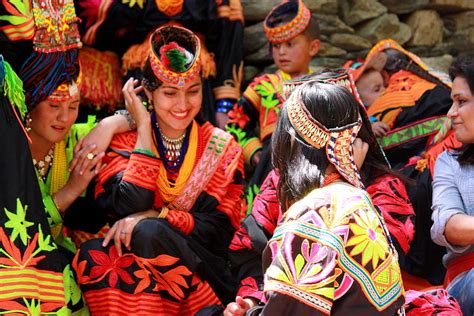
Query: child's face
[(370, 86), (294, 56)]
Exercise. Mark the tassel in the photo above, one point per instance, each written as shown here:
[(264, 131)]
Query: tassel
[(13, 87)]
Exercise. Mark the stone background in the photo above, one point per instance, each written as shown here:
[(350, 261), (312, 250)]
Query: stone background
[(435, 30)]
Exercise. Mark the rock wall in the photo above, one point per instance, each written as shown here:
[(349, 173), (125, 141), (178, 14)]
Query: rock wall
[(436, 30)]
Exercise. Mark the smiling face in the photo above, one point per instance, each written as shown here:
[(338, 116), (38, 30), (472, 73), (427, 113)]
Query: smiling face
[(370, 86), (51, 120), (176, 107), (294, 56), (461, 112)]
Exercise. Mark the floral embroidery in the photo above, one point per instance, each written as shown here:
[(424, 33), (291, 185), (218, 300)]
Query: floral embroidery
[(368, 239), (172, 281), (312, 268), (271, 99), (112, 264), (18, 222), (238, 116)]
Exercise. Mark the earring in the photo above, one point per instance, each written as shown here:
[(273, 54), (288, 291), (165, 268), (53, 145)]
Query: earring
[(28, 123), (148, 105)]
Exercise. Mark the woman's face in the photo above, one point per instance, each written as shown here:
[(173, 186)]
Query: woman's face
[(461, 112), (176, 107), (51, 120)]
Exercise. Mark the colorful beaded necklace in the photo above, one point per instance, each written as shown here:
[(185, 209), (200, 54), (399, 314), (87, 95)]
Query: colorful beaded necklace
[(172, 151), (43, 165)]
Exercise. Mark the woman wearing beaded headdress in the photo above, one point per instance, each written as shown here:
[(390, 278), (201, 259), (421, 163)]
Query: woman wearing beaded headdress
[(385, 188), (173, 189), (36, 274), (331, 249), (125, 26), (64, 174)]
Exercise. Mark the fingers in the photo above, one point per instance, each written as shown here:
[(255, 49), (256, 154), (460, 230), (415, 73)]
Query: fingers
[(74, 160), (233, 309), (360, 149), (130, 92), (81, 156), (110, 235), (117, 237), (90, 165)]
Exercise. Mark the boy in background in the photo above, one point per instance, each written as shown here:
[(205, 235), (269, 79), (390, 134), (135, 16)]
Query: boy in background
[(294, 37)]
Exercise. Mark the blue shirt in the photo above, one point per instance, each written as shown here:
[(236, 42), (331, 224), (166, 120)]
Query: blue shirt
[(453, 193)]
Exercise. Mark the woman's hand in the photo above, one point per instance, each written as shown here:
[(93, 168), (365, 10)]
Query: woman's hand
[(239, 307), (86, 167), (134, 104), (360, 149), (380, 128), (80, 176), (121, 231)]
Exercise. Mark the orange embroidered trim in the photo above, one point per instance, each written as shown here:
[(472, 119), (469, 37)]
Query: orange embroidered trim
[(203, 171), (286, 32), (405, 89), (337, 141), (249, 149), (142, 171)]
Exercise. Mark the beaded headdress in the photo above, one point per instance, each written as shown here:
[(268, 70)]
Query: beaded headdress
[(52, 27), (342, 77), (279, 30), (174, 55), (337, 141)]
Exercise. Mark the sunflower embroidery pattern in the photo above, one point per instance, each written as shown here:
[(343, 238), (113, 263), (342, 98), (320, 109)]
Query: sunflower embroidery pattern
[(368, 238)]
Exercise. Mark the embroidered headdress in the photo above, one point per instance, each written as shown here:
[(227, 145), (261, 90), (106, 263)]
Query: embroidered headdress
[(278, 29), (336, 141), (52, 27), (174, 54), (343, 78)]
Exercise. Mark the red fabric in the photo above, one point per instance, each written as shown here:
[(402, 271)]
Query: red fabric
[(184, 221), (458, 266), (390, 196), (437, 302)]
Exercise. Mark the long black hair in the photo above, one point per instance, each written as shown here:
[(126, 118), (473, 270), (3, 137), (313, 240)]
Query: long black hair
[(463, 67), (301, 166)]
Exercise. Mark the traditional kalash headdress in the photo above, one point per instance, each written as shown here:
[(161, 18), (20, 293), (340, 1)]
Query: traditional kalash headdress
[(337, 141), (174, 55), (279, 30), (52, 69)]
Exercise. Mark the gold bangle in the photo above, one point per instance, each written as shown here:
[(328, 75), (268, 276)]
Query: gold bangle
[(56, 203), (164, 211)]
